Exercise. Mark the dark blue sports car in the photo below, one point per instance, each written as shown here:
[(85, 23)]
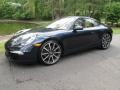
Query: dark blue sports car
[(64, 36)]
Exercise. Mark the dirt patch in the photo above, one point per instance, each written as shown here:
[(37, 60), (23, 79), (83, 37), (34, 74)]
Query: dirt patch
[(4, 38)]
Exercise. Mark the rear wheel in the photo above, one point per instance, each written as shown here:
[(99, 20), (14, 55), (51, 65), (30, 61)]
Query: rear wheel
[(50, 52), (106, 40)]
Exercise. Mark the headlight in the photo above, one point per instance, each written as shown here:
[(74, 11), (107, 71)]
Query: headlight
[(28, 41), (25, 39)]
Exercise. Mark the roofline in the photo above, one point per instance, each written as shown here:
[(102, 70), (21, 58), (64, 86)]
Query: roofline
[(77, 17)]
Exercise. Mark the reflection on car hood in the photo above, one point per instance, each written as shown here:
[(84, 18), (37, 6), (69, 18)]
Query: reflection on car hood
[(47, 31), (44, 32)]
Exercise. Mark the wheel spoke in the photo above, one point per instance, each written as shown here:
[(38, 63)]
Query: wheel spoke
[(53, 46), (49, 44), (49, 59), (46, 49), (55, 56), (45, 53), (45, 57), (52, 59), (56, 48), (57, 52)]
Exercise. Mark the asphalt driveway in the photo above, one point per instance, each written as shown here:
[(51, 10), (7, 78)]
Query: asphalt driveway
[(87, 70)]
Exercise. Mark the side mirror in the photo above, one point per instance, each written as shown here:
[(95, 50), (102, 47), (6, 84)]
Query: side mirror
[(78, 27)]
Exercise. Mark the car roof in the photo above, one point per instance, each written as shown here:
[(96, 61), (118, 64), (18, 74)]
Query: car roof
[(76, 17)]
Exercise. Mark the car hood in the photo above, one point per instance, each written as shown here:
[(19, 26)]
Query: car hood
[(41, 31)]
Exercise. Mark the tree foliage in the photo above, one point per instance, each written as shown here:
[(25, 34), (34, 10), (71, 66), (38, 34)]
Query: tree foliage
[(52, 9), (112, 12)]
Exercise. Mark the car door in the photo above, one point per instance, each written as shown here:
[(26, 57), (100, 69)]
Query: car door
[(81, 38), (91, 29)]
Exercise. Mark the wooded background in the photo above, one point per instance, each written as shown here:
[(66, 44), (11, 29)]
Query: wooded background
[(52, 9)]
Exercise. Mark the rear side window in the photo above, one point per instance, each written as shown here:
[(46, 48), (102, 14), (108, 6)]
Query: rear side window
[(90, 23)]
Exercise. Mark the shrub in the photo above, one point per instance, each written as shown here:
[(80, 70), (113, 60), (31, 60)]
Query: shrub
[(112, 12), (6, 11)]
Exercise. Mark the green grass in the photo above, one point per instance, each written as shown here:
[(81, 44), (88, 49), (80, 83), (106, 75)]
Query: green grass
[(7, 28), (2, 47), (116, 30)]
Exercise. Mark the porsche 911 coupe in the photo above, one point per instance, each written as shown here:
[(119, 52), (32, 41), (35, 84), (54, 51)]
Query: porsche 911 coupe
[(64, 36)]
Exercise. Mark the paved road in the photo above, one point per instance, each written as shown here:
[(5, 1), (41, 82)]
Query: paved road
[(88, 70)]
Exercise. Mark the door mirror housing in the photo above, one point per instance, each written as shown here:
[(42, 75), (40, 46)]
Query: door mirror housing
[(78, 27)]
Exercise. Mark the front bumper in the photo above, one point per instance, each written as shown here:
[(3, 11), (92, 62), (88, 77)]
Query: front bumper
[(18, 56)]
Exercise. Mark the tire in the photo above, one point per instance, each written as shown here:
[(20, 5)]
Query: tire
[(50, 52), (105, 41)]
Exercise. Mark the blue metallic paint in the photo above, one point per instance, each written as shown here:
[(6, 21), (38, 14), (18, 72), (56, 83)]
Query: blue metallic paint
[(70, 40)]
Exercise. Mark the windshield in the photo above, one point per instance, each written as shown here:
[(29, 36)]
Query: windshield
[(64, 23)]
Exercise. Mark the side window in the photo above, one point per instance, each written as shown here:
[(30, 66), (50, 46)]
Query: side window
[(79, 23), (90, 23)]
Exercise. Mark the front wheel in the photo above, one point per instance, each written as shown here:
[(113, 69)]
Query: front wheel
[(50, 52), (106, 40)]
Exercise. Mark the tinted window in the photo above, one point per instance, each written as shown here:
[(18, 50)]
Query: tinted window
[(90, 23), (79, 23)]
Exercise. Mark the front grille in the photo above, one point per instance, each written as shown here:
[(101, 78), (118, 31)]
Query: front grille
[(11, 55)]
